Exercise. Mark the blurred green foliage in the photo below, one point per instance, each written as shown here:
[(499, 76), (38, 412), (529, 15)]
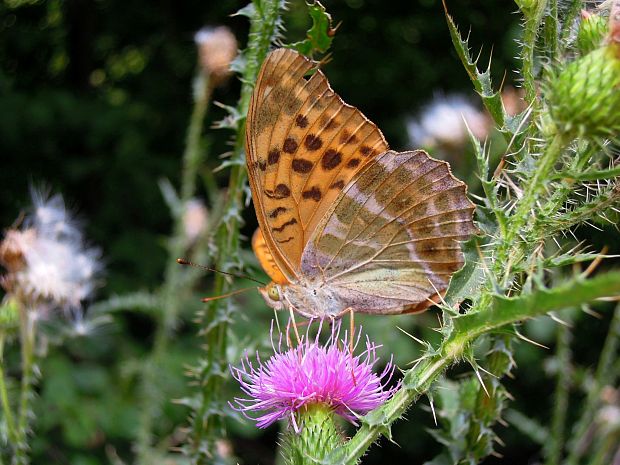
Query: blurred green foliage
[(95, 99)]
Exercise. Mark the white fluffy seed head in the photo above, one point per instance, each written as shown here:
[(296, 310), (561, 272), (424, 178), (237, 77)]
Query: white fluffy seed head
[(442, 123), (49, 265)]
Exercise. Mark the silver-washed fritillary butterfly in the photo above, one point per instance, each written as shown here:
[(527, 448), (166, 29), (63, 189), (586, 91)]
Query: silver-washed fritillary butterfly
[(345, 223)]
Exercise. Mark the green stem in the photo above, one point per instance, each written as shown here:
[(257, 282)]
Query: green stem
[(4, 397), (606, 447), (530, 34), (604, 375), (206, 423), (523, 213), (27, 338), (567, 25), (174, 282), (573, 175), (606, 199), (552, 44), (560, 408), (561, 194), (490, 315), (421, 378)]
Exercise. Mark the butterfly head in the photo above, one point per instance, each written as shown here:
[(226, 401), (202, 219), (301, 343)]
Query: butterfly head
[(272, 293), (309, 301)]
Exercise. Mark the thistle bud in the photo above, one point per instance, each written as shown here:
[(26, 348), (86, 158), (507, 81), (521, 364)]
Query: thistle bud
[(591, 32), (217, 47), (584, 97), (318, 437), (195, 220)]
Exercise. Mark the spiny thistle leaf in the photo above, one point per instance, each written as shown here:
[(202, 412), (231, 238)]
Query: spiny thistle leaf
[(506, 310), (569, 259), (468, 410), (466, 282), (143, 301), (321, 33), (526, 425), (589, 175), (482, 81), (602, 202)]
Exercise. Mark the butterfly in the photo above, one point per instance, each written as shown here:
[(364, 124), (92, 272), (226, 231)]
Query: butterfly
[(345, 224)]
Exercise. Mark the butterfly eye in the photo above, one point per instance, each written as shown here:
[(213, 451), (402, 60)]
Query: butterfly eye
[(273, 293)]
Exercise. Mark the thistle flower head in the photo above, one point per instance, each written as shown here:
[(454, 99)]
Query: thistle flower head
[(217, 47), (312, 374), (49, 266)]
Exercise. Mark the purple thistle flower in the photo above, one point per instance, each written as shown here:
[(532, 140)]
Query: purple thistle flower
[(312, 374)]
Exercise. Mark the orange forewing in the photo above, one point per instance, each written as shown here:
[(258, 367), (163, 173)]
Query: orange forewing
[(266, 259), (304, 144)]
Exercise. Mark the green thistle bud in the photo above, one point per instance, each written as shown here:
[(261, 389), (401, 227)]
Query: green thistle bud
[(591, 33), (317, 439), (584, 97)]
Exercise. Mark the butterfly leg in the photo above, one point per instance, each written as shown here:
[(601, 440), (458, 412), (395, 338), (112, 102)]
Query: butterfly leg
[(352, 332), (292, 319), (275, 316), (351, 312)]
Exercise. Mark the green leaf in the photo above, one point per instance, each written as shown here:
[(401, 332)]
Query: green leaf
[(248, 11), (441, 459), (592, 175), (466, 282), (143, 301), (528, 426), (482, 81), (320, 35), (507, 310)]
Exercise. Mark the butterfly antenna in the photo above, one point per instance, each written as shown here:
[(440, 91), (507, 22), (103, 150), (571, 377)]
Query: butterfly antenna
[(223, 296), (182, 261)]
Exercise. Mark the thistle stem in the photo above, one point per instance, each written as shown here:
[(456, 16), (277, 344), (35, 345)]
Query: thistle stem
[(423, 375), (28, 339), (603, 375), (206, 423), (523, 213), (530, 33), (7, 413), (174, 285), (560, 405), (552, 44)]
